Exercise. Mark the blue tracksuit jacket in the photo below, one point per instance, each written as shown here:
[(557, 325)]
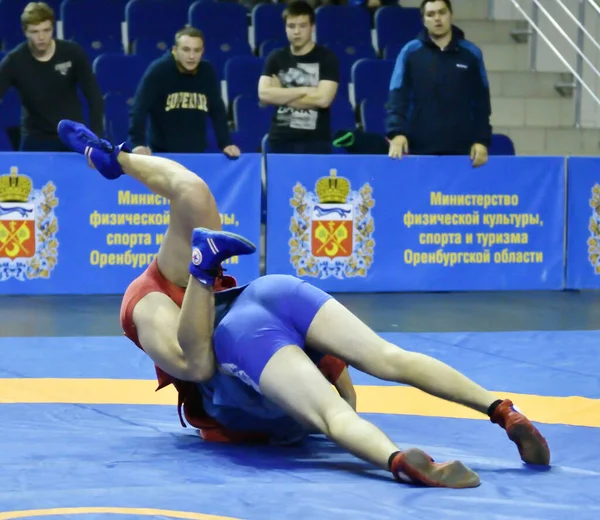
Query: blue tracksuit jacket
[(440, 100)]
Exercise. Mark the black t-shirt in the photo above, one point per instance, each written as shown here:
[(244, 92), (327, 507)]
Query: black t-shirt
[(302, 71), (48, 89)]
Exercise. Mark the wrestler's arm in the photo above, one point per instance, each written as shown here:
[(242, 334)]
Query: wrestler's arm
[(346, 389), (156, 318)]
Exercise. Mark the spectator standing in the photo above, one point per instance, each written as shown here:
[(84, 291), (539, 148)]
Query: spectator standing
[(302, 81), (177, 93), (46, 73), (439, 100)]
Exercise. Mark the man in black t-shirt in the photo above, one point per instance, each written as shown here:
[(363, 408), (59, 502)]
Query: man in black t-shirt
[(46, 73), (302, 81)]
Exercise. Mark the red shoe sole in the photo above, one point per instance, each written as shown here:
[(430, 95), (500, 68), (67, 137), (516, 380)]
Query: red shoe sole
[(532, 446), (417, 465)]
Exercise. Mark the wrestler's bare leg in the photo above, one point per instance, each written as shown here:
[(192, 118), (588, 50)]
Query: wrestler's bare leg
[(335, 330), (364, 349), (305, 394), (192, 206), (178, 341)]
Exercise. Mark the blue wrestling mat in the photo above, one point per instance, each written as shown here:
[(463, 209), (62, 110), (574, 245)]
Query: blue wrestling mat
[(84, 433)]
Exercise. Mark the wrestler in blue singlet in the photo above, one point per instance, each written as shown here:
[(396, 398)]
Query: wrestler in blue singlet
[(252, 322)]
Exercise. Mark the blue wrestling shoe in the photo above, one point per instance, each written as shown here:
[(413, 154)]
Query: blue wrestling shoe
[(101, 153), (210, 248)]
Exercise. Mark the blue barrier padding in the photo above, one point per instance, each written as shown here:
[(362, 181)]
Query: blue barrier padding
[(366, 223), (345, 223), (583, 217), (65, 229)]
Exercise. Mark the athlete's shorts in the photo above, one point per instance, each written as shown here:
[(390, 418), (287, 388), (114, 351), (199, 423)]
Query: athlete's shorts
[(272, 312)]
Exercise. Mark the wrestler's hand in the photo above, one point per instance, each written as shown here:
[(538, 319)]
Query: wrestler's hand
[(142, 150)]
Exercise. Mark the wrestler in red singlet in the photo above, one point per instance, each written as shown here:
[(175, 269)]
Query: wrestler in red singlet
[(152, 280)]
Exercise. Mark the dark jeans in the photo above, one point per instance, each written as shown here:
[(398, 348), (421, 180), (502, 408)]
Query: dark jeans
[(33, 144), (299, 147)]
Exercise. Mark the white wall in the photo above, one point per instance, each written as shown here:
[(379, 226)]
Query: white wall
[(505, 10), (547, 60)]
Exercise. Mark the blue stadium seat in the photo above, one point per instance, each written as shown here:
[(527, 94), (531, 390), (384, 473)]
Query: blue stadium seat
[(221, 22), (151, 49), (92, 20), (249, 116), (10, 117), (502, 145), (342, 114), (5, 142), (268, 24), (116, 111), (343, 24), (241, 75), (119, 72), (371, 79), (373, 115), (155, 19), (348, 55), (10, 109), (247, 141), (397, 25), (392, 50), (268, 46), (9, 40), (219, 54), (95, 48)]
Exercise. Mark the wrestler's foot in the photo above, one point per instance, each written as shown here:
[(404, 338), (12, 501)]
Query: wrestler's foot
[(532, 446), (99, 152), (414, 466), (211, 248)]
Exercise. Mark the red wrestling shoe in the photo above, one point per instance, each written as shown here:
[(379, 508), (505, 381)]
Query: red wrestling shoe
[(533, 448), (414, 466)]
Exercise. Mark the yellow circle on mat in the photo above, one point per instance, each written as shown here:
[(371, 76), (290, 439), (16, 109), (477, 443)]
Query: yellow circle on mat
[(32, 513)]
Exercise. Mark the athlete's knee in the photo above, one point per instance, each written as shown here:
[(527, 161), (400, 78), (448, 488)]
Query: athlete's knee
[(392, 362), (335, 421), (193, 189), (330, 417)]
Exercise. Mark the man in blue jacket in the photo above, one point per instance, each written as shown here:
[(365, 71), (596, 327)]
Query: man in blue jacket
[(439, 93)]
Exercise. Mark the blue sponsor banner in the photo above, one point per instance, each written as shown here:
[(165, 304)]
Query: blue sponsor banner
[(583, 217), (367, 223), (64, 229)]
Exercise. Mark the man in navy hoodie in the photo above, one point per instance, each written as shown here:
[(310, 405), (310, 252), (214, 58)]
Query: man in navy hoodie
[(439, 100), (177, 93)]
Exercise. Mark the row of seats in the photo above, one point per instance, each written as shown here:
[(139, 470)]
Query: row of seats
[(151, 24)]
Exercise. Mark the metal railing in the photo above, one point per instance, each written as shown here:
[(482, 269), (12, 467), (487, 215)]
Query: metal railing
[(534, 33)]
